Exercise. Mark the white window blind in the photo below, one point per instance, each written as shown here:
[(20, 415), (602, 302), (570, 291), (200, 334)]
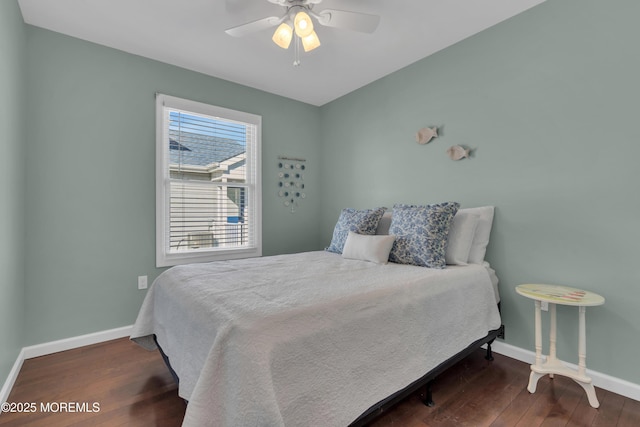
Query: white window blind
[(208, 183)]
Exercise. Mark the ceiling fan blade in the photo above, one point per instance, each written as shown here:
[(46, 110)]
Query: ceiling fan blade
[(254, 26), (363, 22)]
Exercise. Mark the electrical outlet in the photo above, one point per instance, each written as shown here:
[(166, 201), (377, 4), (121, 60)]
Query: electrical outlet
[(142, 282), (544, 305)]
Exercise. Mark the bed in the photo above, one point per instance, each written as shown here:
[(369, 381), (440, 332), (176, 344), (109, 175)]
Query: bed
[(314, 338)]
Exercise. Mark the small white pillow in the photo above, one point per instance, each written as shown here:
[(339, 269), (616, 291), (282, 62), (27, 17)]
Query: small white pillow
[(461, 234), (481, 236), (368, 247)]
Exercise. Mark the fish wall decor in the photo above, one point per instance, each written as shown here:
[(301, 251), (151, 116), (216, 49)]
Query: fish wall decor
[(425, 135), (458, 152)]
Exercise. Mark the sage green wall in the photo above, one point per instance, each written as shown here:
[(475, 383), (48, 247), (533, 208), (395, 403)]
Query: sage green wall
[(90, 196), (548, 100), (12, 175)]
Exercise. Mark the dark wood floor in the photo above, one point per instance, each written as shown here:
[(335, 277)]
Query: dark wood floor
[(133, 388)]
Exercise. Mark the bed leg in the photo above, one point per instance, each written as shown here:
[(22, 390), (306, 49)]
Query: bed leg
[(426, 396), (489, 355)]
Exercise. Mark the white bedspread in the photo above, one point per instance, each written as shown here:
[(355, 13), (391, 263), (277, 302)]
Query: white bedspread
[(308, 339)]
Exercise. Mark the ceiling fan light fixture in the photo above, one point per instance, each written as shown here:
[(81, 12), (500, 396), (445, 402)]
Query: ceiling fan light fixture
[(297, 24), (283, 35), (310, 42), (303, 24)]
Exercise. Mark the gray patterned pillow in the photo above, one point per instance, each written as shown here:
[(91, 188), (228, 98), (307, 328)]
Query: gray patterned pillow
[(421, 233), (359, 221)]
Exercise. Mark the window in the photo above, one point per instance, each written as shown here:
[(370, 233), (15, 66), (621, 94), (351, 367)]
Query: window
[(208, 191)]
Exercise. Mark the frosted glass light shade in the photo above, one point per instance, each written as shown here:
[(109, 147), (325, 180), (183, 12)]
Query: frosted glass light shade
[(310, 42), (303, 24), (283, 35)]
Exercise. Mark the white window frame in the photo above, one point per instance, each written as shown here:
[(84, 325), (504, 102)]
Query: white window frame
[(254, 182)]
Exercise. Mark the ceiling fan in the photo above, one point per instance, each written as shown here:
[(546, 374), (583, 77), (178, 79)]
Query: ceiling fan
[(297, 23)]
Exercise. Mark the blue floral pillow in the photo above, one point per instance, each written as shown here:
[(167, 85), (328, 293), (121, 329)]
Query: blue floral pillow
[(421, 233), (358, 221)]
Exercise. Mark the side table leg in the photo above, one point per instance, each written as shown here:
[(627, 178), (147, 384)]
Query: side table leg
[(534, 376), (582, 341), (533, 381), (552, 334), (591, 393), (582, 358), (538, 329)]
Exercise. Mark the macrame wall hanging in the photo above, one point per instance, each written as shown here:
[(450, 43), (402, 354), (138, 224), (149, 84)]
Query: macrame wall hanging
[(291, 187)]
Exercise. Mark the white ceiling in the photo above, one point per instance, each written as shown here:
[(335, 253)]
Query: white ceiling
[(190, 34)]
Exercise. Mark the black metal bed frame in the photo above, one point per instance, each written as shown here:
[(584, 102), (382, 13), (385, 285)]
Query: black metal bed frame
[(422, 385)]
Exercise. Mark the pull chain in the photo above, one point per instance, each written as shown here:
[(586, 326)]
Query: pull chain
[(296, 51)]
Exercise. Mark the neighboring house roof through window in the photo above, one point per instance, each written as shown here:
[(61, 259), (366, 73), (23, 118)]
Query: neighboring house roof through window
[(196, 149)]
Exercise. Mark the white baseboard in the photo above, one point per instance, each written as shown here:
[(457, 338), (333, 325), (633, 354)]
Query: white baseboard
[(75, 342), (11, 379), (56, 346), (604, 381)]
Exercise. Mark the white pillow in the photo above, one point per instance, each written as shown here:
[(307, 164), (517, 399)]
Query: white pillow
[(481, 236), (368, 247), (461, 234), (384, 224)]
